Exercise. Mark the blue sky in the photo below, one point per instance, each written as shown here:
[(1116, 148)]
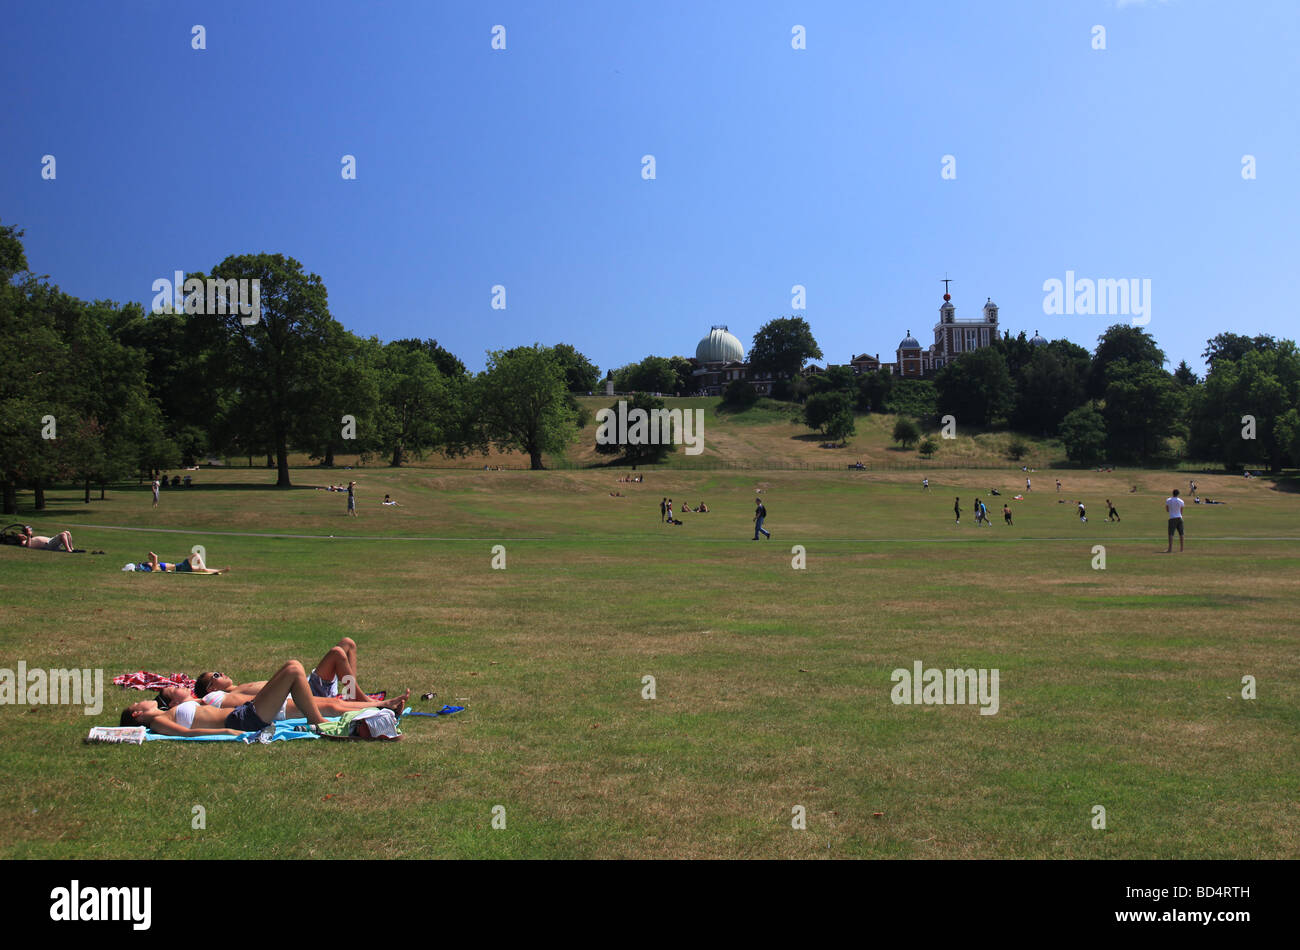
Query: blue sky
[(774, 166)]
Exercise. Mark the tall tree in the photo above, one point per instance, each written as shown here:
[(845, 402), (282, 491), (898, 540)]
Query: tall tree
[(273, 360), (580, 373), (1141, 409), (976, 389), (1120, 343), (522, 402), (639, 453), (782, 346)]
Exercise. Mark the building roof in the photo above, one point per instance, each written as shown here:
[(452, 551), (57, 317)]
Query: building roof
[(720, 346)]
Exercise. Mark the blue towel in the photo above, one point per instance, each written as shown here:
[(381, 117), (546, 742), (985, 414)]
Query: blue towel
[(284, 729)]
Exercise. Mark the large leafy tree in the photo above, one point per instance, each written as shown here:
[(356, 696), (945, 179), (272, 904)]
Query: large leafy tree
[(1263, 384), (782, 346), (654, 374), (1121, 343), (641, 453), (1083, 432), (976, 389), (275, 361), (414, 402), (1050, 386), (581, 375), (823, 407), (1016, 350), (1231, 347), (1141, 409), (523, 404), (873, 390)]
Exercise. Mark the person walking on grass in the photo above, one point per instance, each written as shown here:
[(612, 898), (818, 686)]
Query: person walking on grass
[(1006, 515), (1174, 506), (663, 507), (155, 493), (925, 484), (1112, 514), (760, 513), (352, 499), (1083, 513), (956, 509)]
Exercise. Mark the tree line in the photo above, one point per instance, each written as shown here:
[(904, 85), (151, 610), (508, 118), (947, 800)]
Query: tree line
[(94, 392)]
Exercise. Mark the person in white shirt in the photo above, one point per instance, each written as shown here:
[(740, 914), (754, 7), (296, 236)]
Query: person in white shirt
[(1174, 505)]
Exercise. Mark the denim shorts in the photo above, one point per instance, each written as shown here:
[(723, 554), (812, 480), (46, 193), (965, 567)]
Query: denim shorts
[(245, 719)]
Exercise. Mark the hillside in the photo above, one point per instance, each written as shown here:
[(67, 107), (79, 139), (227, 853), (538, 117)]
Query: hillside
[(771, 435)]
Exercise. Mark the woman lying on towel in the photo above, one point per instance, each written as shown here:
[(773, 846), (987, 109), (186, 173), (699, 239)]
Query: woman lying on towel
[(191, 565), (192, 718), (337, 667)]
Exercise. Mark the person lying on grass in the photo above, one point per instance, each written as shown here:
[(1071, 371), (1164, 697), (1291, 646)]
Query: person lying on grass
[(192, 718), (171, 696), (337, 666), (191, 565), (60, 542)]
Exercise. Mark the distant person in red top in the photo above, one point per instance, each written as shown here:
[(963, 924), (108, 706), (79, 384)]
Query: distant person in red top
[(1174, 505)]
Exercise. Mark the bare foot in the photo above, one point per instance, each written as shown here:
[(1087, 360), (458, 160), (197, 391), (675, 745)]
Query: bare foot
[(397, 703)]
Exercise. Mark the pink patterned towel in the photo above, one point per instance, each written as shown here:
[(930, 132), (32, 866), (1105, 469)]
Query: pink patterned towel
[(147, 680)]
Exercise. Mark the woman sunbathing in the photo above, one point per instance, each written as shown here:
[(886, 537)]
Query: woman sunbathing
[(337, 668), (170, 696), (192, 718), (191, 565)]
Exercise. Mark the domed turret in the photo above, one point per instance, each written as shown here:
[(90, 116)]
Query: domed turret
[(720, 346), (1037, 340), (909, 342)]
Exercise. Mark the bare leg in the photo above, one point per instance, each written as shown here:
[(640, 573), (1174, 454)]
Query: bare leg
[(333, 706), (290, 679), (341, 660)]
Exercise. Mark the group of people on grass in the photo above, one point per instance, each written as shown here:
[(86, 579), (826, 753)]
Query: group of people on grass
[(218, 706), (666, 510), (1173, 506)]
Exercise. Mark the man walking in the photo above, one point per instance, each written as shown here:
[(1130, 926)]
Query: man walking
[(155, 493), (759, 514), (1112, 514), (1174, 505), (956, 509), (352, 499), (1028, 485), (1006, 514), (663, 507), (925, 484), (1083, 513)]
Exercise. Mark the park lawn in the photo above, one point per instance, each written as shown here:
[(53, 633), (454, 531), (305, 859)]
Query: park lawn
[(1118, 687)]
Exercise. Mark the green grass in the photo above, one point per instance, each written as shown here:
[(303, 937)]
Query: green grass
[(1119, 687)]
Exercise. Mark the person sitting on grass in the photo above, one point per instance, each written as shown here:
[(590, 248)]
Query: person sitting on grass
[(39, 542), (703, 509), (193, 718), (390, 503), (334, 675), (191, 565)]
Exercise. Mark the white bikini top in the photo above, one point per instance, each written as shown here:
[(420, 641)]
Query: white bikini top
[(185, 713)]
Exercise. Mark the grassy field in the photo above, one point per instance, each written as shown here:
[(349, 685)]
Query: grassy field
[(1118, 687)]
